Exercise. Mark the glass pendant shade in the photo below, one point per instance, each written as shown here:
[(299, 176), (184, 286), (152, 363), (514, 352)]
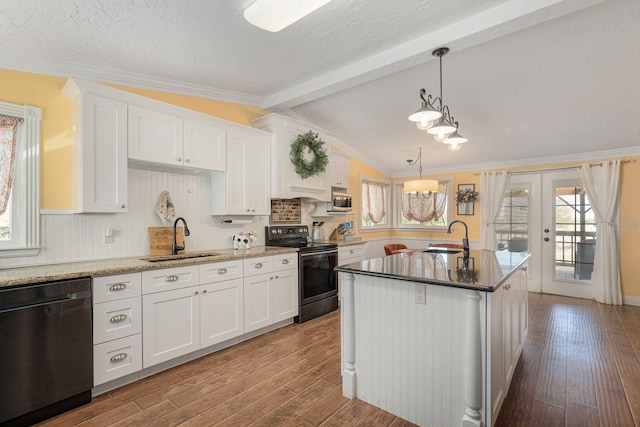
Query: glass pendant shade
[(455, 138), (425, 114), (421, 186), (441, 129)]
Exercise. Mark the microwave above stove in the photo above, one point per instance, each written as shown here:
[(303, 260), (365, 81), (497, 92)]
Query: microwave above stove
[(340, 202)]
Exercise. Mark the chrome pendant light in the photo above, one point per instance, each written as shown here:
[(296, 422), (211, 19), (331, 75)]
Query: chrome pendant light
[(420, 187), (434, 117)]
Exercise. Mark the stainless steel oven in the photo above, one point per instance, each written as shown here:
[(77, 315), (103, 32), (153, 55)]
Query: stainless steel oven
[(317, 280)]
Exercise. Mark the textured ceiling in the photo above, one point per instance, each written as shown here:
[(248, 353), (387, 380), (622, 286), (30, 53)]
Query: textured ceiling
[(526, 79)]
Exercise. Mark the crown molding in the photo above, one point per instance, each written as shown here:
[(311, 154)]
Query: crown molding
[(31, 64), (537, 161)]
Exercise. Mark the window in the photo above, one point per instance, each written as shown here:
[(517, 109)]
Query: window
[(20, 223), (436, 210), (512, 223), (375, 202)]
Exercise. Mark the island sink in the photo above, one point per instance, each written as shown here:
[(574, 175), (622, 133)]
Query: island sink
[(442, 250)]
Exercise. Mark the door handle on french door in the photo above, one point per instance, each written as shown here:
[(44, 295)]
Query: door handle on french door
[(546, 239)]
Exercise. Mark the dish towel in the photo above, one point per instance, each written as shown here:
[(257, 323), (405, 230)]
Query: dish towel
[(164, 208)]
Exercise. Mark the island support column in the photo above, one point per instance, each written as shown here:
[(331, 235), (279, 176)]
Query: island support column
[(472, 363), (349, 339)]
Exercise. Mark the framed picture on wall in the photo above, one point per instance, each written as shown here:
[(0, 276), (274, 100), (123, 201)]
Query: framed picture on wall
[(466, 192)]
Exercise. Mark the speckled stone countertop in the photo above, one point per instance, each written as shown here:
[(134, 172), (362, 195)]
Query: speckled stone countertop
[(483, 271), (72, 270)]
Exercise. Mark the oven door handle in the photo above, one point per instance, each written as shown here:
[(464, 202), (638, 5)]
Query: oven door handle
[(307, 254)]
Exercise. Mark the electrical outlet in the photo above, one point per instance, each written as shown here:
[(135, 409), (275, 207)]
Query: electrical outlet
[(421, 293), (108, 235)]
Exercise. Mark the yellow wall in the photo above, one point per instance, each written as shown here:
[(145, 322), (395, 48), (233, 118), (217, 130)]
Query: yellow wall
[(55, 150)]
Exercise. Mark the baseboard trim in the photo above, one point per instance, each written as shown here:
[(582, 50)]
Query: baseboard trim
[(630, 300)]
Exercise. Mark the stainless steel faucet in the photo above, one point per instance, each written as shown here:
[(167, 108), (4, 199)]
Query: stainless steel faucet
[(465, 241), (175, 248)]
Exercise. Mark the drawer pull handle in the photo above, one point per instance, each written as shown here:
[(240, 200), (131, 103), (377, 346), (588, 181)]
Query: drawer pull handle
[(222, 271), (118, 357), (118, 318), (172, 278), (117, 287), (285, 261), (259, 265)]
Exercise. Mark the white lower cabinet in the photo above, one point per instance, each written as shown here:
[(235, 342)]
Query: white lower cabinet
[(117, 326), (171, 324), (221, 302), (270, 296), (508, 326)]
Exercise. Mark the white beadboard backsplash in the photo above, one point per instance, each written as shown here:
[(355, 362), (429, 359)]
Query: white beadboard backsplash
[(79, 237)]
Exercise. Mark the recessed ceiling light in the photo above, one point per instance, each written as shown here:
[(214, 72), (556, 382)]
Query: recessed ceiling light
[(274, 15)]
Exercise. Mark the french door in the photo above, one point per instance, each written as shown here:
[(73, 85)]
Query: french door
[(549, 215)]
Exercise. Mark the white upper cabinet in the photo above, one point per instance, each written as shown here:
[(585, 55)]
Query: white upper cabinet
[(339, 170), (166, 139), (99, 152), (285, 182), (245, 187)]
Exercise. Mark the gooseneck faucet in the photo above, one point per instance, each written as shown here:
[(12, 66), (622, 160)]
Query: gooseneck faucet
[(465, 241), (175, 248)]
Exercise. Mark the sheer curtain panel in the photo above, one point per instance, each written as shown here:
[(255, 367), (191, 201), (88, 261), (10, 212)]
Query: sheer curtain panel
[(422, 209), (374, 196), (8, 133), (602, 184), (492, 187)]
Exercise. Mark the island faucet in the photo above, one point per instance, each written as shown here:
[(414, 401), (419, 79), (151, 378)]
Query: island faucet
[(175, 248), (465, 241)]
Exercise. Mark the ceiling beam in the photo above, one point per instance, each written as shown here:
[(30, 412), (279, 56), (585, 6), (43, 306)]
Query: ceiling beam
[(501, 20)]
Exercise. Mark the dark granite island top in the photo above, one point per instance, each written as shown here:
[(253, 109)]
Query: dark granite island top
[(486, 270)]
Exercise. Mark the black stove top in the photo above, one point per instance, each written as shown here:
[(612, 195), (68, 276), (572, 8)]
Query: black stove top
[(294, 236)]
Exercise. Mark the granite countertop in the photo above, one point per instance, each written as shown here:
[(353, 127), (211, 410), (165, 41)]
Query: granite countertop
[(72, 270), (487, 270)]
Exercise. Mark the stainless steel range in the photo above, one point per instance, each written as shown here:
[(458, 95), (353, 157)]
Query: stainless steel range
[(317, 280)]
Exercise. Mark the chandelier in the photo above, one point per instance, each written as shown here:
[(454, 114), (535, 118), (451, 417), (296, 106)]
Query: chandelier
[(420, 187), (434, 117)]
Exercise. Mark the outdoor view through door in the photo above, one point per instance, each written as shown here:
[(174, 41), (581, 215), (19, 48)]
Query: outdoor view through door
[(556, 224)]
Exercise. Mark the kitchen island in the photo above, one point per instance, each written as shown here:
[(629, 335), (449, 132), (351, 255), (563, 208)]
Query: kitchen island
[(434, 337)]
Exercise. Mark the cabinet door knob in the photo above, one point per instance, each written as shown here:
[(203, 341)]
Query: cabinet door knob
[(124, 206), (187, 160), (179, 159)]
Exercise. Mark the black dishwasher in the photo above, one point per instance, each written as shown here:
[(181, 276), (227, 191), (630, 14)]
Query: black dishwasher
[(46, 353)]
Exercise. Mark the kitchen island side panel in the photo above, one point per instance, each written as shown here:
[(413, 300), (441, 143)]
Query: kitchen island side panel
[(409, 357)]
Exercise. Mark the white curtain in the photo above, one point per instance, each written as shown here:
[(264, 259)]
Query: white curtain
[(492, 188), (8, 133), (421, 209), (602, 185), (374, 201)]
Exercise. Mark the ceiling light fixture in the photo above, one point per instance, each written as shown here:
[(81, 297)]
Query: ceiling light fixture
[(434, 117), (275, 15), (420, 187)]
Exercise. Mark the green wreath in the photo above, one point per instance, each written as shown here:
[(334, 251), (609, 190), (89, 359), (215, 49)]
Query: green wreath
[(320, 161)]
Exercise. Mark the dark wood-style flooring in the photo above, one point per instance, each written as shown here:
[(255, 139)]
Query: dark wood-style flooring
[(579, 367)]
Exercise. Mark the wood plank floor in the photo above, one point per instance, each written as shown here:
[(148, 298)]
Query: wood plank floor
[(579, 367)]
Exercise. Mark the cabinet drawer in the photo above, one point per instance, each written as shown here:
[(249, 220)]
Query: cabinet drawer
[(349, 254), (220, 271), (117, 319), (111, 288), (253, 266), (115, 359), (285, 262), (169, 278)]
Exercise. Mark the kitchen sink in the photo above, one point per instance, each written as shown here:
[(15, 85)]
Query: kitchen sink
[(190, 255), (442, 250)]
